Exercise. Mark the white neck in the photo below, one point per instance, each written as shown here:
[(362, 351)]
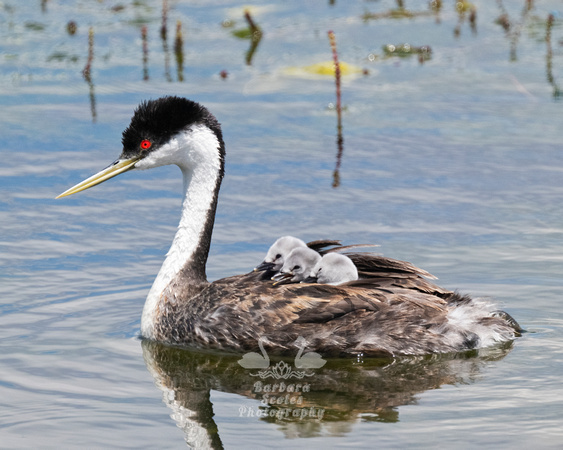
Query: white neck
[(196, 152)]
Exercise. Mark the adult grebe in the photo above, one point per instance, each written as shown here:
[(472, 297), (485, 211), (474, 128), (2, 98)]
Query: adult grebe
[(395, 313)]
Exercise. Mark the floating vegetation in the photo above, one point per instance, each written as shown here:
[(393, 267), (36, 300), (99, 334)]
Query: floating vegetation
[(62, 56), (435, 5), (406, 50), (252, 32), (71, 28), (464, 6), (242, 33), (328, 68), (323, 69), (403, 13), (424, 53), (34, 26), (399, 13), (469, 10), (117, 8)]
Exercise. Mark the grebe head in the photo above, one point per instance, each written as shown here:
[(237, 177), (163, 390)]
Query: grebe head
[(277, 253), (334, 268), (169, 130), (297, 266)]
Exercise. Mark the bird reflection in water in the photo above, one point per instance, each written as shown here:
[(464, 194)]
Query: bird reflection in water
[(327, 403)]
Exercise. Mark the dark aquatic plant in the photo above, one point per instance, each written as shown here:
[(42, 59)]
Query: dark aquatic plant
[(145, 53), (179, 51), (549, 57), (164, 38), (339, 137), (513, 29), (87, 73)]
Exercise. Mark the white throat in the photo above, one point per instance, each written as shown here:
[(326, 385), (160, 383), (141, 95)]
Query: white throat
[(196, 152)]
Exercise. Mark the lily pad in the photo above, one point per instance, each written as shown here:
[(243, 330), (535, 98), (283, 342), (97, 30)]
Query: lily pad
[(327, 68)]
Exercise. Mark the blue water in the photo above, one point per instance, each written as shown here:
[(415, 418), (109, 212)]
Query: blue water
[(454, 164)]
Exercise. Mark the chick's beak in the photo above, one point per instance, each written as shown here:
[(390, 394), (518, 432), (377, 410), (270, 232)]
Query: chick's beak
[(282, 278), (119, 166)]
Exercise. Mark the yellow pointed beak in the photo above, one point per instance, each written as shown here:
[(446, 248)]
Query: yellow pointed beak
[(119, 166)]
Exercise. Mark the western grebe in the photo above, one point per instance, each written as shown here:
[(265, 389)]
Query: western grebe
[(397, 313)]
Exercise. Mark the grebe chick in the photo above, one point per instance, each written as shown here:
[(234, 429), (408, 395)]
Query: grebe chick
[(278, 252), (274, 259), (397, 313), (297, 266), (333, 269)]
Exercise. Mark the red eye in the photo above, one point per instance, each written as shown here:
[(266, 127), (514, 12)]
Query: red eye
[(146, 144)]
